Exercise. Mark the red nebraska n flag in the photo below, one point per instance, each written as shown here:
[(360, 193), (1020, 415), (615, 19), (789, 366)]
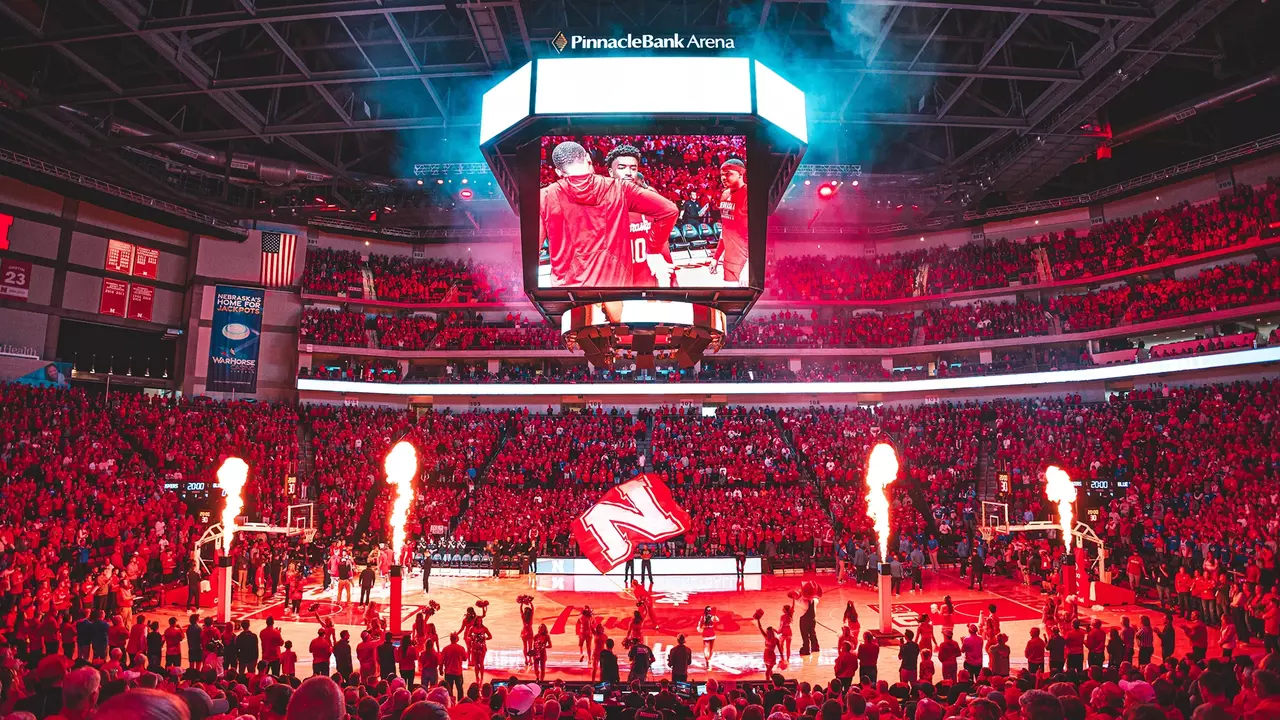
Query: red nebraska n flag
[(637, 511)]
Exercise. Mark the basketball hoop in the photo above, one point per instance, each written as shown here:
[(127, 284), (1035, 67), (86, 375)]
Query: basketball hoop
[(643, 331)]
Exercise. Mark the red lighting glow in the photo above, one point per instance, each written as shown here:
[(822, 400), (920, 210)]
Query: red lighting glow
[(826, 191), (466, 194)]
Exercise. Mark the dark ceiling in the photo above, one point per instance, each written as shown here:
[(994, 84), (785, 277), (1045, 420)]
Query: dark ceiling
[(328, 101)]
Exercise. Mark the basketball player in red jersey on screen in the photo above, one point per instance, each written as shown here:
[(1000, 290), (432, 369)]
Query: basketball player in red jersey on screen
[(732, 250), (651, 261), (586, 220)]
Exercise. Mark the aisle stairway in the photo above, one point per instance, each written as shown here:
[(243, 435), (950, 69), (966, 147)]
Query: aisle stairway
[(306, 460), (988, 488), (366, 279)]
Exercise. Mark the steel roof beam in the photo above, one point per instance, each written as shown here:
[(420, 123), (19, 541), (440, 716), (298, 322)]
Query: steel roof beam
[(986, 60), (271, 82), (1066, 8), (1049, 75), (228, 20)]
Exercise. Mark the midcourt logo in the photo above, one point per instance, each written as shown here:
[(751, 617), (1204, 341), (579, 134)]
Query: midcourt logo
[(675, 41)]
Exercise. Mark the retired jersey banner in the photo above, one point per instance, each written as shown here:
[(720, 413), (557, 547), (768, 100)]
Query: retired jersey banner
[(641, 510), (234, 340), (119, 257)]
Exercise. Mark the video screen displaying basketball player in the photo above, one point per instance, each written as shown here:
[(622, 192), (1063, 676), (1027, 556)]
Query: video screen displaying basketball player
[(674, 243), (731, 253)]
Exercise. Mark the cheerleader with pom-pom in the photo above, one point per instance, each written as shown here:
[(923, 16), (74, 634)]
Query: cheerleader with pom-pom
[(771, 643), (784, 634), (525, 603), (707, 626), (583, 630)]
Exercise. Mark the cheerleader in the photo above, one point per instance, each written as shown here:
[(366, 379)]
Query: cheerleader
[(468, 623), (538, 650), (784, 635), (526, 626), (924, 633), (583, 630), (851, 624), (598, 637), (1049, 618), (635, 632), (373, 620), (479, 647), (947, 614), (707, 626), (771, 643)]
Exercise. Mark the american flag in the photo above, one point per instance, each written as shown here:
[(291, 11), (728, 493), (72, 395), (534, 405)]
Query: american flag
[(277, 258)]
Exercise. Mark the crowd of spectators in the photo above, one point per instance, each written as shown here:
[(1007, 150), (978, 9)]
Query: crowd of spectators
[(88, 523), (1092, 310), (332, 272), (186, 439), (1160, 235), (406, 332), (332, 327), (1216, 288), (983, 321), (350, 445)]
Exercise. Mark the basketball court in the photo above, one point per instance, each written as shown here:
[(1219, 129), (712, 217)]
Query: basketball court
[(679, 602)]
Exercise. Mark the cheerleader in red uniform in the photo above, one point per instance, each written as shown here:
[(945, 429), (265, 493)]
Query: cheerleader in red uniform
[(707, 626), (636, 630), (852, 627), (597, 646), (583, 630), (469, 620), (784, 635), (526, 626), (541, 643), (479, 647), (771, 644)]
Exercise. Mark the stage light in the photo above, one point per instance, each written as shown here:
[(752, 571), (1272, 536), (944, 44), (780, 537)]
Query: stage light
[(854, 183), (806, 182), (465, 194), (826, 191), (464, 181), (419, 182), (439, 181)]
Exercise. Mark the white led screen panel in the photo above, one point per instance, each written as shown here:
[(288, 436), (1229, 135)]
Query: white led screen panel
[(780, 102), (643, 85), (506, 103)]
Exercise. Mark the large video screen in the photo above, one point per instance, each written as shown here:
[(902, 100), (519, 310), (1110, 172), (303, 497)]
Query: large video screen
[(643, 211)]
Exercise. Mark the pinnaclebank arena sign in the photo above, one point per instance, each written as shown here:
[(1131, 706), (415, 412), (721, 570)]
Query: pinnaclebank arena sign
[(675, 41)]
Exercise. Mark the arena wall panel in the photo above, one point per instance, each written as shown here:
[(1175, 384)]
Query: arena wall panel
[(15, 192), (34, 238), (23, 328), (112, 220)]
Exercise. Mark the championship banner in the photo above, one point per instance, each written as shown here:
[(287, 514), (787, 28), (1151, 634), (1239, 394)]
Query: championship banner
[(234, 339), (141, 300), (119, 257), (115, 297), (637, 511), (145, 262)]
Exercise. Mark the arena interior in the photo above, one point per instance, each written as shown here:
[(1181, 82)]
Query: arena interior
[(943, 335)]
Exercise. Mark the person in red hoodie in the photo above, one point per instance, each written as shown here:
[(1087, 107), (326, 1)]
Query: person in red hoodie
[(321, 649), (271, 644), (585, 219), (1034, 651)]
